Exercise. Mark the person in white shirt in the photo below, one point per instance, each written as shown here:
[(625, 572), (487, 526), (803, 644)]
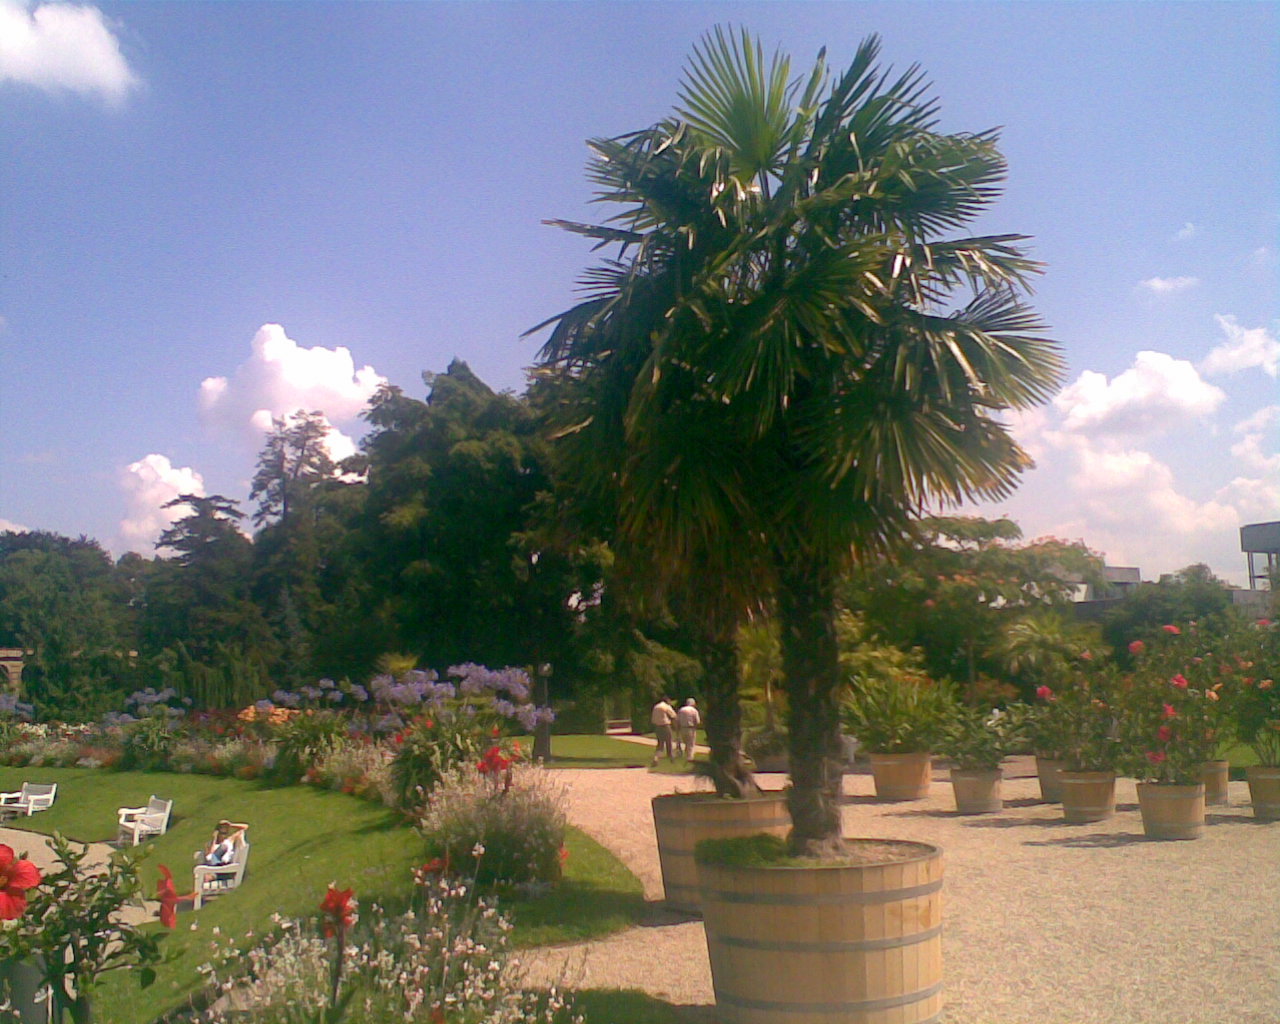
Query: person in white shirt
[(663, 718), (688, 720)]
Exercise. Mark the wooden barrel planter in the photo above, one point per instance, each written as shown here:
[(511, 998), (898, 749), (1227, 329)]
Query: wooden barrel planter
[(682, 820), (901, 776), (1171, 812), (1214, 775), (849, 942), (977, 790), (1088, 796), (1049, 772), (1264, 791)]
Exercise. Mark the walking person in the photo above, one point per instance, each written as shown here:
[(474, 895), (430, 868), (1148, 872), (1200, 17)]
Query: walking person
[(688, 720), (663, 718)]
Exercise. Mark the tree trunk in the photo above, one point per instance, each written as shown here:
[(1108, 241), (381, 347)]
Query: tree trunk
[(723, 720), (810, 664)]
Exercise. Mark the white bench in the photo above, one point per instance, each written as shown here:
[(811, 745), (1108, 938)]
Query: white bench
[(213, 880), (137, 823), (32, 797)]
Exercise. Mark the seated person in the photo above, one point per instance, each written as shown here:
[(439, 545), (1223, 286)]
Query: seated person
[(222, 847)]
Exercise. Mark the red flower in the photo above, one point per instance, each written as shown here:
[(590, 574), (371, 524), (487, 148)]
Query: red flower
[(1156, 756), (1164, 734), (1137, 647), (495, 732), (437, 1014), (1169, 711), (564, 854), (16, 877), (1172, 630), (167, 894), (493, 761), (1044, 693), (338, 909), (1086, 656), (1180, 681)]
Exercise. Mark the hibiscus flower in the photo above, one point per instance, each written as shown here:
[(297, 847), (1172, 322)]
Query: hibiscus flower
[(16, 877)]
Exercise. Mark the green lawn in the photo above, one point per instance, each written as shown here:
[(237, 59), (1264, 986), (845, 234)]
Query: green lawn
[(302, 839), (606, 752)]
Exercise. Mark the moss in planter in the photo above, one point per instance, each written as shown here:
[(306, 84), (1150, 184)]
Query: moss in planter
[(764, 851)]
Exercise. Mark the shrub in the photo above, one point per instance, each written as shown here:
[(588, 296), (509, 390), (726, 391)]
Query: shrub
[(359, 768), (431, 747), (304, 740), (448, 958), (899, 714), (510, 817), (977, 740)]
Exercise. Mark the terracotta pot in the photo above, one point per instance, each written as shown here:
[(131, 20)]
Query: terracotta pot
[(682, 820), (1088, 796), (1214, 775), (1264, 791), (901, 776), (838, 943), (1049, 772), (977, 790), (1171, 812)]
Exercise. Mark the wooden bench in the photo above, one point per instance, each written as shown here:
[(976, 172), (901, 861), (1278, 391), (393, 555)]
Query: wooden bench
[(32, 797), (137, 823), (215, 879)]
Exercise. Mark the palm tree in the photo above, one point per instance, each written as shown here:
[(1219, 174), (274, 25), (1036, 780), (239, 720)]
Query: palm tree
[(765, 377)]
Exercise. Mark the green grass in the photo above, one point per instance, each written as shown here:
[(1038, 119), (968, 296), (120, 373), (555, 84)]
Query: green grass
[(625, 1006), (302, 839), (1241, 757), (578, 751)]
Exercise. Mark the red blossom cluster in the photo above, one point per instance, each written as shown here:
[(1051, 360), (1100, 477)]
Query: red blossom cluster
[(494, 761), (338, 908)]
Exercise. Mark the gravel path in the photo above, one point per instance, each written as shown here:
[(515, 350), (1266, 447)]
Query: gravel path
[(36, 847), (1045, 923)]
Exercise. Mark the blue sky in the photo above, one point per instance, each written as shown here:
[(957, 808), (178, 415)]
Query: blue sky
[(215, 213)]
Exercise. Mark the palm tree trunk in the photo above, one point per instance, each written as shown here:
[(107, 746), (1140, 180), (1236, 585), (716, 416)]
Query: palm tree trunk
[(810, 664), (723, 720)]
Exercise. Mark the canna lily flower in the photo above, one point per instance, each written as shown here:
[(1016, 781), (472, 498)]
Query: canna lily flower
[(339, 910), (167, 894), (16, 877)]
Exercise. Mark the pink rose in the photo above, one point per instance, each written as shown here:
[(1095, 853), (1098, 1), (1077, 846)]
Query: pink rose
[(1044, 693)]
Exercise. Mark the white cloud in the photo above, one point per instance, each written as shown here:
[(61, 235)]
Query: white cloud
[(1187, 231), (148, 484), (56, 46), (12, 527), (1253, 449), (280, 378), (1245, 348), (1156, 395), (1165, 285)]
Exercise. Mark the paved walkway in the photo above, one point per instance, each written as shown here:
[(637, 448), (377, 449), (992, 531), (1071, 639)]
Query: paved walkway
[(35, 847), (1045, 923)]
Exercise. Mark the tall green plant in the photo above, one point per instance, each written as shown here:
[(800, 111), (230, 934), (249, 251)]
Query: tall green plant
[(766, 371)]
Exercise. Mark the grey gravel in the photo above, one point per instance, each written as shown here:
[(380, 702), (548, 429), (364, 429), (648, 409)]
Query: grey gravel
[(1044, 922)]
